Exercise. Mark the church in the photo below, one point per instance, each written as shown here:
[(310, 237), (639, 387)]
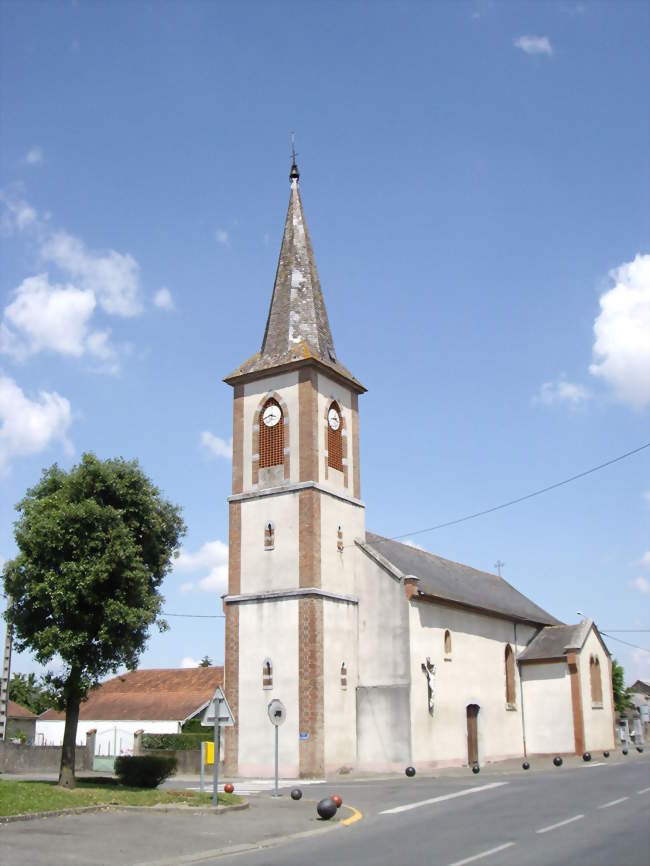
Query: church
[(384, 655)]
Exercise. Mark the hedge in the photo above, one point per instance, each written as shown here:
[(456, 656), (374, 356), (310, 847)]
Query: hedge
[(144, 771), (176, 742)]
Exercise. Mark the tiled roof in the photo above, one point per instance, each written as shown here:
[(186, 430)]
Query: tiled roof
[(454, 582), (297, 327), (17, 711), (554, 642), (164, 693)]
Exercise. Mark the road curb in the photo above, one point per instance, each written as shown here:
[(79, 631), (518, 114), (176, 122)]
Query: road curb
[(116, 807)]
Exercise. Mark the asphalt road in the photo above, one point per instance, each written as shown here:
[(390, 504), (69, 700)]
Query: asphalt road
[(590, 814)]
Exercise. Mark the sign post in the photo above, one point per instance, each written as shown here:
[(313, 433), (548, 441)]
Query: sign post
[(277, 715), (217, 714)]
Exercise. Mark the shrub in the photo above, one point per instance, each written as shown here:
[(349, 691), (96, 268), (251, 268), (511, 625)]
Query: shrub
[(177, 742), (144, 771)]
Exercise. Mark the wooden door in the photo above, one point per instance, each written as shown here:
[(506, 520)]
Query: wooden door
[(472, 734)]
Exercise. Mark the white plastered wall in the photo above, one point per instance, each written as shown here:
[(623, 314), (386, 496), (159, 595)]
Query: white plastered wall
[(268, 630), (286, 385), (548, 707), (474, 674), (598, 721), (265, 570), (340, 646), (338, 568), (114, 736)]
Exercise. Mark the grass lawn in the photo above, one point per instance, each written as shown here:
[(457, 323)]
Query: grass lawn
[(18, 798)]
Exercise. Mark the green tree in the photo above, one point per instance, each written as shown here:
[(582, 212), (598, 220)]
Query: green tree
[(94, 546), (621, 695), (30, 692), (206, 662)]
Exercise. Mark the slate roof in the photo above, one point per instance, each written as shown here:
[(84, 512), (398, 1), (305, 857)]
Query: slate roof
[(164, 693), (554, 642), (452, 581), (18, 711), (297, 328)]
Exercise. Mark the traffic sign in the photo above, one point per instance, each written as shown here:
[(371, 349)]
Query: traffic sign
[(218, 712)]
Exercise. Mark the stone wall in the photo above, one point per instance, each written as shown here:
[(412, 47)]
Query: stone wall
[(42, 759)]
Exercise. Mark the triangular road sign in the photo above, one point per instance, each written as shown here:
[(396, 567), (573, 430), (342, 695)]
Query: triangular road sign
[(218, 711)]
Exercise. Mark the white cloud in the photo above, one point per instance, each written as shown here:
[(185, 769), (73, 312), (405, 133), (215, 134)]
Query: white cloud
[(645, 559), (163, 299), (29, 426), (17, 215), (112, 276), (222, 237), (189, 662), (562, 392), (34, 156), (534, 44), (212, 558), (640, 668), (217, 446), (642, 585), (412, 543), (622, 333)]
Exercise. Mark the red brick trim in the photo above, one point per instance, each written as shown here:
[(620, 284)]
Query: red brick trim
[(231, 687), (309, 538), (354, 431), (256, 436), (311, 700), (238, 440), (308, 424), (576, 703), (344, 438)]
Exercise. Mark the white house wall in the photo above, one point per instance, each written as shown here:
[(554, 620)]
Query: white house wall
[(598, 719), (113, 735), (548, 708), (474, 674)]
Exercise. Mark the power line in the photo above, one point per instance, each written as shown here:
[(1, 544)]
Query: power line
[(631, 630), (522, 498), (633, 645)]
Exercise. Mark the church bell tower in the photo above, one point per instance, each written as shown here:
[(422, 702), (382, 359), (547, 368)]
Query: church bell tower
[(295, 511)]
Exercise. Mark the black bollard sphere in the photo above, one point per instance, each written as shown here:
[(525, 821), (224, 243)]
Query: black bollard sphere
[(296, 794), (625, 751), (605, 754), (526, 765), (586, 756), (410, 772), (557, 760), (326, 808), (476, 769), (639, 748)]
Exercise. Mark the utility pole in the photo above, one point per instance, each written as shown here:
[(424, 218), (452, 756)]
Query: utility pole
[(4, 682), (499, 565)]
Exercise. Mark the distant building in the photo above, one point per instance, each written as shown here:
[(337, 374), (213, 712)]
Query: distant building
[(157, 701), (384, 655), (639, 693), (21, 722)]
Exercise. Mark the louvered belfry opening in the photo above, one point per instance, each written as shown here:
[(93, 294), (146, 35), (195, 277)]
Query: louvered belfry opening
[(271, 438), (510, 675), (335, 443)]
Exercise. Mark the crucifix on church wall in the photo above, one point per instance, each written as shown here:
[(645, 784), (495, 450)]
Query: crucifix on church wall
[(429, 671)]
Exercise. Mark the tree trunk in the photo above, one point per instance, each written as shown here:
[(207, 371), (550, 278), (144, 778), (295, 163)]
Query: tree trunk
[(72, 703)]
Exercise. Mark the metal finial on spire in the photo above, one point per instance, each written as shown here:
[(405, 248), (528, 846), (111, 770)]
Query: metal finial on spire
[(294, 174)]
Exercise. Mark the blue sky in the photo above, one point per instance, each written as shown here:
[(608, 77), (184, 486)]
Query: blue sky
[(476, 183)]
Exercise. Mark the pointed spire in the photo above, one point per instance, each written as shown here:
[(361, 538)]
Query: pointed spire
[(297, 327)]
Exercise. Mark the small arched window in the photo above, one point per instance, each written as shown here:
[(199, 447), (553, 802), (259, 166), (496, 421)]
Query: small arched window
[(596, 680), (267, 674), (344, 676), (447, 642), (271, 434), (269, 536), (339, 539), (335, 437), (510, 675)]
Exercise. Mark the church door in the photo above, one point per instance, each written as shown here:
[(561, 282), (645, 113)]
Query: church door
[(472, 734)]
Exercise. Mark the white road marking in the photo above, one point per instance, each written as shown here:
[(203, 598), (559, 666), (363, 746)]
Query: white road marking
[(560, 824), (614, 803), (483, 854), (643, 791), (597, 764), (441, 798)]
